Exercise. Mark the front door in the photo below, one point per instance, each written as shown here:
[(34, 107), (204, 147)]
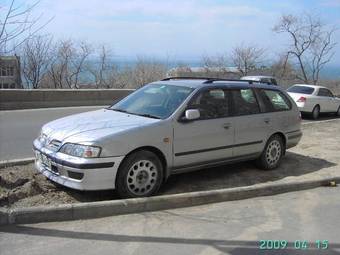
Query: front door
[(209, 138)]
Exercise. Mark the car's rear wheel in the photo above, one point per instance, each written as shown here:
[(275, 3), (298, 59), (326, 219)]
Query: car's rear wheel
[(272, 153), (338, 112), (140, 175), (316, 112)]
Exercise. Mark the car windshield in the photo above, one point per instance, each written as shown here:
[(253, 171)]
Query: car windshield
[(153, 101), (301, 90)]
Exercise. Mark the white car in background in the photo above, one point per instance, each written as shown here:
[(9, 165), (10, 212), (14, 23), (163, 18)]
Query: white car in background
[(314, 99)]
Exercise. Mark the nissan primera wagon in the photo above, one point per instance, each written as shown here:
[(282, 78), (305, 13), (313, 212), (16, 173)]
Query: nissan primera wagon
[(167, 127)]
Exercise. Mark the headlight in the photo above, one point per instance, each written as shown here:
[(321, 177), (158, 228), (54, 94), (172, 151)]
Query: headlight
[(82, 151)]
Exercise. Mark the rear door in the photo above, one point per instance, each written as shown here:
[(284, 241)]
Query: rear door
[(209, 138), (251, 126), (332, 102), (326, 100), (278, 109)]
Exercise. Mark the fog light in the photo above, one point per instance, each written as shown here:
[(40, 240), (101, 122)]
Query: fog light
[(75, 175)]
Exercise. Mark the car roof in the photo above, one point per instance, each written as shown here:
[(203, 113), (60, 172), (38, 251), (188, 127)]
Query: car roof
[(196, 83), (311, 86)]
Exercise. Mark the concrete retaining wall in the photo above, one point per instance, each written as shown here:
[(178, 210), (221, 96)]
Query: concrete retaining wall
[(12, 99)]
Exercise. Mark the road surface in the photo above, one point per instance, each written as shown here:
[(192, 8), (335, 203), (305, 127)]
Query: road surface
[(298, 219), (19, 128)]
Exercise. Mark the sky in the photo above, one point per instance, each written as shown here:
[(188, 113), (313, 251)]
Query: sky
[(179, 29)]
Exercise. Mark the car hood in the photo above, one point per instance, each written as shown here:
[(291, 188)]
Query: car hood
[(90, 126)]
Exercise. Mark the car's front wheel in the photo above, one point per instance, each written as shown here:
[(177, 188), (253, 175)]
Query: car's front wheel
[(272, 153), (338, 112), (140, 175)]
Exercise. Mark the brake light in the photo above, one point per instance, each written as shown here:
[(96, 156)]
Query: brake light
[(302, 100)]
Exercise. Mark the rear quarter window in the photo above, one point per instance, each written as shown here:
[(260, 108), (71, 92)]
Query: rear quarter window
[(274, 100)]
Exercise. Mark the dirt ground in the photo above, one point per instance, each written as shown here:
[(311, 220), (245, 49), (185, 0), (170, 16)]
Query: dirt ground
[(22, 186)]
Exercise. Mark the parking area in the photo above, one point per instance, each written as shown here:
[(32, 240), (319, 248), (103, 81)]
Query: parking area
[(317, 155)]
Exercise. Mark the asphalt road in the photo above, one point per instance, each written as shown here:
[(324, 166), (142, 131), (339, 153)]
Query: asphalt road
[(297, 219), (19, 128)]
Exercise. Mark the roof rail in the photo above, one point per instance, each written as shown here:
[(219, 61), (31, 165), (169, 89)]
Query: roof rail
[(186, 78), (208, 80)]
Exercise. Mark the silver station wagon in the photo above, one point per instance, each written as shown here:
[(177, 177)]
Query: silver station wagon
[(167, 127)]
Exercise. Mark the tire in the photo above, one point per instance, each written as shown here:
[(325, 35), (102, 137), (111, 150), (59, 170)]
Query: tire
[(338, 112), (140, 175), (272, 153), (316, 112)]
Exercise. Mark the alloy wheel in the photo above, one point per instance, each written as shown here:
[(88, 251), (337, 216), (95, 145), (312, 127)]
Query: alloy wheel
[(273, 152), (142, 177)]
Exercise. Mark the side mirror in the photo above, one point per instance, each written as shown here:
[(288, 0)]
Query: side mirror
[(192, 114)]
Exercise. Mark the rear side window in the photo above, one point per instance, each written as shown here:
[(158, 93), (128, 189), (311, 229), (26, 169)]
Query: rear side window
[(274, 100), (301, 90), (244, 102), (212, 103)]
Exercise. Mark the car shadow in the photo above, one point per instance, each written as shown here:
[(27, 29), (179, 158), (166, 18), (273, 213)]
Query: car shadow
[(243, 174), (322, 116), (226, 176)]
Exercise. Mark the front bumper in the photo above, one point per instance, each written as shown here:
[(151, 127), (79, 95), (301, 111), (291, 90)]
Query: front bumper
[(74, 172)]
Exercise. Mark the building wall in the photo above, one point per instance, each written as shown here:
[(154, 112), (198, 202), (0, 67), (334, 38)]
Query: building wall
[(10, 75)]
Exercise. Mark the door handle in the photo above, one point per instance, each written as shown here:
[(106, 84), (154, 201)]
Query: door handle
[(267, 120), (226, 125)]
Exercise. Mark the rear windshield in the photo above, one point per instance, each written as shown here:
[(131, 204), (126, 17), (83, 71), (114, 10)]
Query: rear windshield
[(301, 90)]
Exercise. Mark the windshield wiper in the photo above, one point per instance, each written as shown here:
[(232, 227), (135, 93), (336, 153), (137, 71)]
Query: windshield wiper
[(147, 115), (143, 115), (117, 110)]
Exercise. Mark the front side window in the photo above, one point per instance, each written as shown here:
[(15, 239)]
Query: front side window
[(212, 103), (244, 102), (274, 100), (154, 100)]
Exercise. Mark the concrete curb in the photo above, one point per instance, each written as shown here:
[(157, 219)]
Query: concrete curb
[(137, 205), (16, 162)]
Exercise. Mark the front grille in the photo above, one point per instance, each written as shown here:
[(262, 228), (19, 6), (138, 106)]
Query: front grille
[(54, 145)]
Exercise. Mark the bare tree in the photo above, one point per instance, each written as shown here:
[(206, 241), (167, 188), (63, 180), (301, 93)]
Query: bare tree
[(17, 25), (246, 58), (311, 44), (35, 59), (68, 63), (146, 71), (103, 71), (218, 61), (322, 53)]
